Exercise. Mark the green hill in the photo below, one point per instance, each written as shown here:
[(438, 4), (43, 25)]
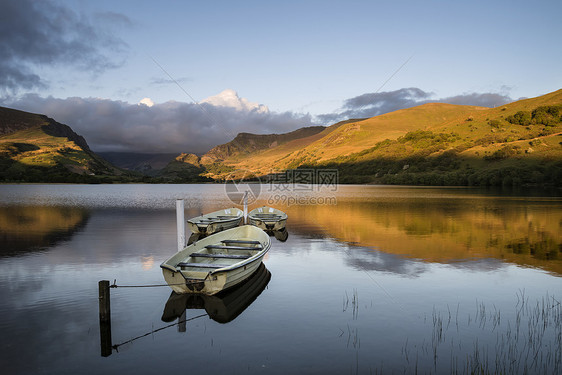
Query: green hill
[(36, 148), (432, 144), (519, 143)]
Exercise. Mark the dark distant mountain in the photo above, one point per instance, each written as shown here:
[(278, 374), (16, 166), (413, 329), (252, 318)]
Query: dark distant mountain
[(36, 148), (185, 168), (149, 164), (191, 167), (248, 143)]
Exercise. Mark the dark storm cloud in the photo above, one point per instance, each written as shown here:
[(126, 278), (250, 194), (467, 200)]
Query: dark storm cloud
[(374, 104), (36, 33), (389, 101), (482, 100), (110, 125)]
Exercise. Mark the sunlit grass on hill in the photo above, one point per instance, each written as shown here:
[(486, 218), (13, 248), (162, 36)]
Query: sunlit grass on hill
[(34, 148), (442, 144)]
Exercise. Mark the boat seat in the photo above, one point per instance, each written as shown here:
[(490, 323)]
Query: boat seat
[(203, 265), (223, 256), (249, 242), (223, 247)]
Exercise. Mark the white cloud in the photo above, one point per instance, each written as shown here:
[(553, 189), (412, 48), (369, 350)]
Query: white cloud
[(229, 98), (147, 102)]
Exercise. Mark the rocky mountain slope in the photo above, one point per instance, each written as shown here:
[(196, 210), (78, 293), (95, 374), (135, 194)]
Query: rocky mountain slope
[(36, 148), (432, 144)]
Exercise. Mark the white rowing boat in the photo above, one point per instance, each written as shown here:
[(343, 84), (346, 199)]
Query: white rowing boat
[(216, 221), (268, 218), (217, 262), (223, 307)]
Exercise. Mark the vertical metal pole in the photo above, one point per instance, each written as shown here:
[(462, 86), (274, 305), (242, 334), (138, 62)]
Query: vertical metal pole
[(180, 217), (246, 207), (105, 318)]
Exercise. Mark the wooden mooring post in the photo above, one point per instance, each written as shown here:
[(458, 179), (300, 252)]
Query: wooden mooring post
[(105, 318)]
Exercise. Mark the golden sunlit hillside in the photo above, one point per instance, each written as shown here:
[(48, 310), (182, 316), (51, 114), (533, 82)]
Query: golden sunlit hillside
[(36, 148), (432, 144)]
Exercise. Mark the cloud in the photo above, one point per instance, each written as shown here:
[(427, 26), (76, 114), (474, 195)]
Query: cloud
[(482, 100), (42, 33), (229, 98), (374, 104), (147, 102), (109, 125)]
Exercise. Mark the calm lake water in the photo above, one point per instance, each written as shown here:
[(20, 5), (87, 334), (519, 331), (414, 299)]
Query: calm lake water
[(371, 279)]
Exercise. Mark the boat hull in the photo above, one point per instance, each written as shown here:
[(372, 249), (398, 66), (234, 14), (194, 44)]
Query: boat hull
[(192, 277), (214, 227), (223, 307), (268, 218), (269, 225), (213, 284), (217, 221)]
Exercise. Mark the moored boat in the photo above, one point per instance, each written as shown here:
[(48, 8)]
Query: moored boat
[(268, 218), (217, 262), (222, 307), (216, 221)]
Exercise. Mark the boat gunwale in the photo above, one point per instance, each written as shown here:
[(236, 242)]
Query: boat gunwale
[(197, 219), (253, 215), (244, 262)]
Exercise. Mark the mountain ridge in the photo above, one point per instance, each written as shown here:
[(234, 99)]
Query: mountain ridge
[(442, 144), (431, 144), (245, 143), (36, 148)]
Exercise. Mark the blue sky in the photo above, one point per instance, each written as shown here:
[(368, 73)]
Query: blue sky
[(296, 57)]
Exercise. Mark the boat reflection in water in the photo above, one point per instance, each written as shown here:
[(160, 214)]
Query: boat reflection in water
[(280, 235), (222, 307)]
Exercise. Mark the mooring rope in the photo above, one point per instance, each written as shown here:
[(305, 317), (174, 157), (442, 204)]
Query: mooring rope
[(157, 330), (114, 285), (142, 286)]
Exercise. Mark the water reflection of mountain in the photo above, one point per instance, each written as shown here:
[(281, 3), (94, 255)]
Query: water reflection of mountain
[(25, 229), (223, 307), (521, 231)]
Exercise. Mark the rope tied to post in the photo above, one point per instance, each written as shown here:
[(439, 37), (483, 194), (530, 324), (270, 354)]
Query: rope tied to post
[(114, 285)]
